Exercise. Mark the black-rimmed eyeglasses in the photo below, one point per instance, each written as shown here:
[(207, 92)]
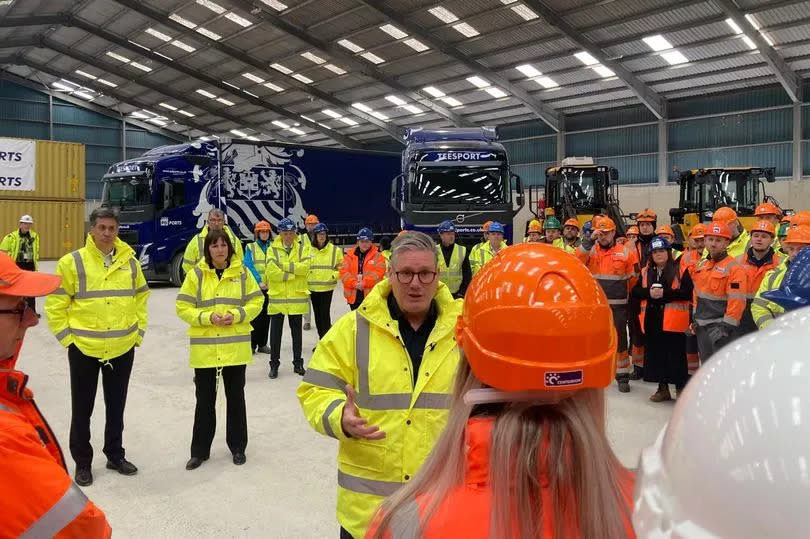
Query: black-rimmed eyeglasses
[(425, 277), (19, 309)]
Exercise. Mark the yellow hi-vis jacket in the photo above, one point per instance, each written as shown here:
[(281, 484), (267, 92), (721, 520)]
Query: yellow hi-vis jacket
[(482, 255), (364, 349), (11, 245), (323, 268), (451, 275), (563, 245), (203, 294), (194, 249), (286, 277), (765, 311), (100, 310)]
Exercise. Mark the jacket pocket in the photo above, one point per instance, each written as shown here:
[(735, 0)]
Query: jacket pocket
[(364, 455)]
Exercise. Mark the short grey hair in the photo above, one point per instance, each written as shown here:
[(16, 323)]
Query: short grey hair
[(413, 241), (104, 212), (216, 212)]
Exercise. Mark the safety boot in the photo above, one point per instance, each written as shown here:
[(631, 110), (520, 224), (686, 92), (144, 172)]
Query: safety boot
[(623, 381), (662, 394), (638, 373), (298, 367), (274, 364)]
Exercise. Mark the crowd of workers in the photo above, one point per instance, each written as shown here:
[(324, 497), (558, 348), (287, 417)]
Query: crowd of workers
[(465, 386)]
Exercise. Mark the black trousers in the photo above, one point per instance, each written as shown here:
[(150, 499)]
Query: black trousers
[(205, 416), (344, 534), (261, 326), (31, 301), (322, 306), (83, 385), (276, 331)]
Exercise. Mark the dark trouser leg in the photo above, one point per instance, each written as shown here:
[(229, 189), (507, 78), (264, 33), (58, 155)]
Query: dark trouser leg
[(322, 305), (295, 328), (233, 378), (705, 343), (276, 331), (83, 386), (260, 325), (115, 382), (622, 357), (343, 533), (205, 417)]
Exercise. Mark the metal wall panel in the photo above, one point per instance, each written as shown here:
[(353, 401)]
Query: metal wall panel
[(634, 169), (144, 140), (59, 224), (534, 174), (806, 122), (532, 150), (806, 157), (768, 155), (66, 113), (524, 129), (60, 173), (609, 118), (20, 129), (15, 91), (613, 142), (732, 130), (739, 100), (13, 109)]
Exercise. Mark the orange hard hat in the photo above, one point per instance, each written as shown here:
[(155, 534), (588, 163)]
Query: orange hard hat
[(603, 224), (532, 297), (646, 216), (262, 225), (764, 226), (801, 219), (486, 226), (724, 215), (664, 229), (719, 229), (633, 230), (798, 234), (767, 208), (572, 222), (535, 226), (22, 283), (311, 219), (698, 231)]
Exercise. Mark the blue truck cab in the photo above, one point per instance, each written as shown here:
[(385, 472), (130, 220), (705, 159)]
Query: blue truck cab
[(461, 175), (163, 198)]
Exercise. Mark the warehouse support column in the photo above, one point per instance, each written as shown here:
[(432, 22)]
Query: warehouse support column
[(50, 116), (797, 141), (663, 146), (561, 141), (123, 139)]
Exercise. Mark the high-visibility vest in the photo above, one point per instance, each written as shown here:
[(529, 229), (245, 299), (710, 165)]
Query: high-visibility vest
[(676, 313), (560, 243), (765, 311), (323, 268), (483, 254), (12, 242), (615, 269), (364, 348), (373, 271), (195, 248), (202, 294), (39, 497), (101, 310), (258, 256), (451, 275), (286, 277), (720, 292)]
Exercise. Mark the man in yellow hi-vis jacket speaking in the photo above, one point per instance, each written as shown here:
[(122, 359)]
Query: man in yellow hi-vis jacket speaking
[(381, 379)]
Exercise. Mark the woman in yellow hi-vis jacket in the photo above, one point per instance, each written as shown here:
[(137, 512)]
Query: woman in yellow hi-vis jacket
[(288, 263), (218, 300), (322, 278)]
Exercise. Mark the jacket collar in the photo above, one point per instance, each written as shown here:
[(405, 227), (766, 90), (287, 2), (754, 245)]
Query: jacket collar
[(280, 244), (235, 267), (375, 308), (751, 259)]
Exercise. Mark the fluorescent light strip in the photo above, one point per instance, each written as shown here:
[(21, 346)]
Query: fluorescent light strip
[(302, 78), (443, 14), (478, 82), (205, 93), (465, 29), (314, 58), (167, 106), (452, 101), (241, 21), (363, 107), (335, 69), (119, 57), (416, 45), (107, 83), (185, 22), (381, 116), (85, 74), (432, 90), (163, 56), (348, 121), (184, 46), (159, 35), (395, 100), (280, 124), (393, 31), (185, 113), (275, 4), (209, 34), (283, 69), (346, 44), (674, 57), (237, 132), (231, 85), (497, 93), (216, 8), (528, 70), (297, 131), (332, 113), (254, 78), (525, 12), (413, 109), (141, 66), (373, 58), (274, 87), (251, 94), (225, 101)]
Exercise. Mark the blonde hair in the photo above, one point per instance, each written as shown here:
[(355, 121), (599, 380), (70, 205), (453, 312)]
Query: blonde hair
[(567, 440)]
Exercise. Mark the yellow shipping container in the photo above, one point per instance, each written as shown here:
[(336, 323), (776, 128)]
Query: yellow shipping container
[(60, 225), (60, 173)]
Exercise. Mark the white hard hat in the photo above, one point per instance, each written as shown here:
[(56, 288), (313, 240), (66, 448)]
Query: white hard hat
[(27, 219), (734, 460)]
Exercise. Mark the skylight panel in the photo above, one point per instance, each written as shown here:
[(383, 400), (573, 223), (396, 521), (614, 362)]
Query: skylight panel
[(186, 113), (237, 132), (478, 82), (352, 46), (674, 57), (225, 101), (657, 43), (443, 14), (416, 45), (452, 101), (413, 109), (238, 19), (362, 106), (275, 4), (603, 71), (528, 70), (208, 33), (373, 58), (497, 93), (274, 87), (185, 22), (118, 57), (85, 74), (315, 59), (297, 131), (159, 35), (348, 121), (167, 106), (283, 69), (107, 83), (393, 31), (280, 124), (435, 92), (546, 82), (525, 12), (465, 29), (206, 93), (252, 77), (586, 58), (332, 113), (303, 78), (141, 66), (213, 6), (335, 69), (184, 46), (395, 100)]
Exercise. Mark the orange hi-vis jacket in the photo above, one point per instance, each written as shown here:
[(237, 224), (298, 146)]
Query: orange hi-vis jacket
[(721, 289), (757, 272), (39, 499), (466, 512), (676, 313), (689, 259), (616, 269), (373, 271)]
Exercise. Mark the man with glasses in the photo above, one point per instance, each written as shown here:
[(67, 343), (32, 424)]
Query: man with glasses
[(390, 363)]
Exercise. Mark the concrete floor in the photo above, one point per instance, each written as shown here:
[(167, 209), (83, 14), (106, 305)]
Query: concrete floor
[(286, 489)]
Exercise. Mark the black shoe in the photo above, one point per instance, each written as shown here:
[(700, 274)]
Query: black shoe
[(84, 476), (307, 326), (273, 371), (264, 349), (239, 459), (123, 466), (637, 374), (298, 368), (624, 385), (195, 462)]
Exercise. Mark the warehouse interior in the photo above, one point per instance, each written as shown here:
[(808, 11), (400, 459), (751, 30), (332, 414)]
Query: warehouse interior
[(650, 87)]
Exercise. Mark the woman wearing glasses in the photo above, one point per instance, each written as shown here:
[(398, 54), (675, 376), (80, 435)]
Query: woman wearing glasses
[(380, 380)]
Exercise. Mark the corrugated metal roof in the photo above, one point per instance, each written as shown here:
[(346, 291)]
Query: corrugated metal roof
[(654, 24)]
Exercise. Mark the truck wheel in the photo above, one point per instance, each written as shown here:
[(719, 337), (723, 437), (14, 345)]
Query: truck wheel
[(177, 273)]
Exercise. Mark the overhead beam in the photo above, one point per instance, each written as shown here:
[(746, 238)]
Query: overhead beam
[(650, 98), (543, 111), (14, 22), (141, 8), (352, 62), (784, 74)]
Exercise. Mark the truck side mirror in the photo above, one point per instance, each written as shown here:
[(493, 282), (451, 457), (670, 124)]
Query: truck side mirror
[(394, 184), (613, 176)]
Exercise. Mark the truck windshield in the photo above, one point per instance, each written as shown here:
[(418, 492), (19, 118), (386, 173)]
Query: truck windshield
[(125, 191), (735, 189), (581, 186), (471, 185)]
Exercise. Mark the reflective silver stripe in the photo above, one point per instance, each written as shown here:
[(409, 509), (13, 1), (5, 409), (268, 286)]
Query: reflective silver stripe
[(731, 321), (433, 401), (677, 306), (406, 521), (322, 283), (188, 262), (610, 277), (320, 267), (737, 295), (387, 401), (62, 334), (764, 318), (367, 486), (105, 294), (60, 292), (219, 340), (617, 301), (253, 295), (104, 334), (244, 286), (62, 513), (708, 321), (200, 250), (186, 298), (762, 303), (5, 408), (711, 297), (81, 275), (324, 379), (243, 313), (144, 288), (199, 274), (286, 277), (292, 267), (302, 300), (141, 332), (327, 426), (218, 301)]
